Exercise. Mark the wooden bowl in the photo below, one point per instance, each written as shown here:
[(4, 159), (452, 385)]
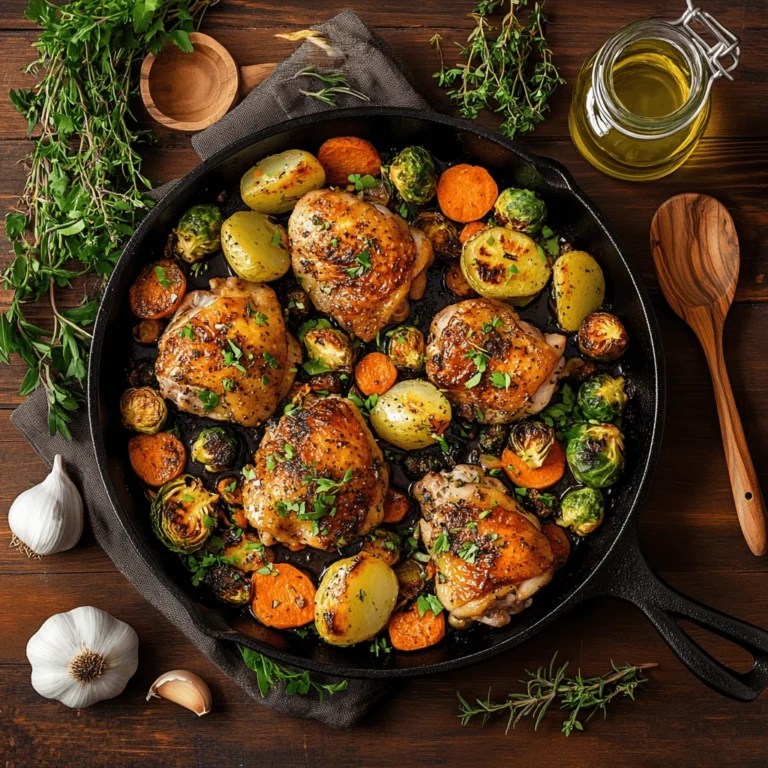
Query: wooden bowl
[(190, 91)]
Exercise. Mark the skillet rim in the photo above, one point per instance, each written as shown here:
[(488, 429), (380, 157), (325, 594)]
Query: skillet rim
[(645, 471)]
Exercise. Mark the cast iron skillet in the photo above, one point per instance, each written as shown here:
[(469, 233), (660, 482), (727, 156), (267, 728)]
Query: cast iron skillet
[(608, 563)]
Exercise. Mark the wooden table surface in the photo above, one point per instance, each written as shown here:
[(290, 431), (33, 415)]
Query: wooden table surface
[(688, 528)]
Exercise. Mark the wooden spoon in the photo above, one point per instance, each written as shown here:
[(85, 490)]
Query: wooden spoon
[(191, 91), (696, 252)]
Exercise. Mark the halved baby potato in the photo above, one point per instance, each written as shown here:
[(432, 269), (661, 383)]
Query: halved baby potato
[(255, 247), (501, 263), (578, 288), (275, 184), (355, 599)]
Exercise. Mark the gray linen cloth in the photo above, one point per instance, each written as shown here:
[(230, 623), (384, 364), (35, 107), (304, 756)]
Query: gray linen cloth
[(372, 69)]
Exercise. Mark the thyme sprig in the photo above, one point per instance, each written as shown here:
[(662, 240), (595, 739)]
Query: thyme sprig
[(508, 69), (547, 685), (335, 82), (85, 192)]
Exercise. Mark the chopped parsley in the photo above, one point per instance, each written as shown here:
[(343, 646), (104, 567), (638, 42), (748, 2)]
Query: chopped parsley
[(228, 384), (277, 238), (199, 268), (270, 359), (362, 182), (209, 399), (267, 570), (442, 544), (187, 332), (363, 264), (313, 367), (162, 277), (429, 603), (501, 380), (229, 487), (469, 552)]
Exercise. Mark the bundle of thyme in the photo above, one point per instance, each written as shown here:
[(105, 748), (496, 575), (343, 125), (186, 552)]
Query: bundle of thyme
[(85, 192), (548, 685), (508, 69)]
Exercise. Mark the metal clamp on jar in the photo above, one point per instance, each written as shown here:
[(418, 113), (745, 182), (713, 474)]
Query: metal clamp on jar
[(641, 102)]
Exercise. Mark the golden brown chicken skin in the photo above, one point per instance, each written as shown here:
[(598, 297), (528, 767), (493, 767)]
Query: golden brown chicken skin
[(359, 263), (319, 477), (493, 556), (491, 365), (226, 354)]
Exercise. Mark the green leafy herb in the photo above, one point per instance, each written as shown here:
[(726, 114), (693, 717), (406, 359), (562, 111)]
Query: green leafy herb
[(379, 646), (270, 359), (429, 603), (508, 69), (199, 268), (85, 193), (187, 332), (442, 544), (313, 367), (550, 685), (363, 264), (228, 384), (209, 399), (501, 380), (469, 551), (277, 238), (362, 182), (162, 277), (335, 83)]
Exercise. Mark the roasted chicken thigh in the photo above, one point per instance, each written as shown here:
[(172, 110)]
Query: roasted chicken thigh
[(359, 263), (492, 554), (491, 365), (226, 354), (320, 477)]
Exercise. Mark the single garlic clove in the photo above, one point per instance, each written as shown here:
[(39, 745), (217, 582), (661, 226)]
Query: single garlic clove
[(184, 688)]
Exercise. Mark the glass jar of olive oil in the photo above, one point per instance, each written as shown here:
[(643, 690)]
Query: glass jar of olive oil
[(641, 102)]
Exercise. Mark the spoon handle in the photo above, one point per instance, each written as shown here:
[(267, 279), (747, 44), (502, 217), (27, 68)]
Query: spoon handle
[(747, 496)]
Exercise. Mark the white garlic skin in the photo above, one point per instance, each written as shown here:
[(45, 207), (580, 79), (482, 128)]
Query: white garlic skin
[(64, 637), (48, 517)]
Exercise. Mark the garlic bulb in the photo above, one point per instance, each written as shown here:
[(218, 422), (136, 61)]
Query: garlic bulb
[(185, 688), (82, 656), (48, 517)]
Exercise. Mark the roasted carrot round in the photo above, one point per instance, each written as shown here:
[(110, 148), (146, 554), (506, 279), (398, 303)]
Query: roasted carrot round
[(410, 631), (375, 374), (344, 155), (156, 459), (396, 506), (466, 192), (470, 230), (559, 541), (158, 290), (283, 596), (547, 474), (456, 282)]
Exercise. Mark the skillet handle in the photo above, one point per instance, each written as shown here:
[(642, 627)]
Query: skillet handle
[(633, 580)]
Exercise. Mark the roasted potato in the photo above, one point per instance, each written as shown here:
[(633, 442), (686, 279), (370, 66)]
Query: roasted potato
[(355, 599), (255, 248), (578, 287), (275, 183)]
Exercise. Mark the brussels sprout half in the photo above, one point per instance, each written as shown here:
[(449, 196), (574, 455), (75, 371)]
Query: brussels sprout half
[(413, 175), (440, 232), (520, 209), (602, 397), (183, 514), (596, 454), (582, 510), (603, 337), (143, 410), (532, 442), (493, 438), (198, 233), (330, 347), (229, 584), (217, 448), (406, 347)]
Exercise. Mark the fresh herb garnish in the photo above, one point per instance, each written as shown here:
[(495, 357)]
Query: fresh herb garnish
[(162, 277), (209, 399), (362, 182), (469, 551), (187, 332), (442, 544), (501, 380), (363, 264), (335, 83), (429, 603), (313, 367)]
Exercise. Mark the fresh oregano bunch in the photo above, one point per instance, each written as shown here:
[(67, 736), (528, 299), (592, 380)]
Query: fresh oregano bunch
[(508, 69), (85, 192)]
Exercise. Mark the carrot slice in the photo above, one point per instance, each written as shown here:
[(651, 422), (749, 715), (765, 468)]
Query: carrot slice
[(466, 192), (375, 374), (470, 230), (457, 283), (158, 290), (409, 631), (547, 474), (396, 506), (559, 541), (342, 156), (156, 459), (283, 596)]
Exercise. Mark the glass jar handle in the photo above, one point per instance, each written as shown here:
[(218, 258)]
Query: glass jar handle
[(723, 54)]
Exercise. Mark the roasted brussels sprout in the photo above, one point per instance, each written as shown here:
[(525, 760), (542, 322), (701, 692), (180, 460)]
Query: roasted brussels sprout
[(229, 584), (331, 347), (143, 374), (355, 599), (379, 195), (183, 514), (603, 337), (413, 175), (520, 209), (330, 383), (230, 488), (457, 283), (582, 510), (147, 331), (217, 448), (540, 503), (493, 438), (143, 410), (602, 397), (198, 233), (243, 550), (383, 544), (255, 247), (500, 263), (406, 347), (422, 463), (578, 287), (440, 232), (532, 442), (412, 578), (596, 454), (577, 370), (412, 414), (297, 305)]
